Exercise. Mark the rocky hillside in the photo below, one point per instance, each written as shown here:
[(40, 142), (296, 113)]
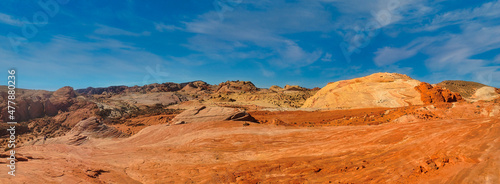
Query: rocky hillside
[(465, 88), (471, 91)]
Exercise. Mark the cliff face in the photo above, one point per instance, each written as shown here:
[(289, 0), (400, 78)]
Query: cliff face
[(31, 104)]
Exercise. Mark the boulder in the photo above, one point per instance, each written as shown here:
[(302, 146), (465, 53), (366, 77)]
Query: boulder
[(205, 114)]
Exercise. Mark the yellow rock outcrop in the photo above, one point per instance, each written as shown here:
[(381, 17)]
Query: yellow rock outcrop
[(376, 90)]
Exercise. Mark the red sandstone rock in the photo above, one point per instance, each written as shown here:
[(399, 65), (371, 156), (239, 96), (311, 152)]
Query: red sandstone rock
[(62, 98), (50, 109), (35, 108), (430, 94)]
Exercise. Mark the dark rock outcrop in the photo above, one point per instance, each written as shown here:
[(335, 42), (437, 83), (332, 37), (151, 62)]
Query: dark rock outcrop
[(236, 86)]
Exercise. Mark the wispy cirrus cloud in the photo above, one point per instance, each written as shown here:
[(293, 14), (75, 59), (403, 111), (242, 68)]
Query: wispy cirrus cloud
[(357, 13), (262, 30), (453, 54), (391, 55), (7, 19), (485, 13), (161, 27), (113, 31), (103, 61), (497, 59)]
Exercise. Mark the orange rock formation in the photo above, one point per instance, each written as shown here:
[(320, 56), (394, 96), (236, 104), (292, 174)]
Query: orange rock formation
[(430, 94)]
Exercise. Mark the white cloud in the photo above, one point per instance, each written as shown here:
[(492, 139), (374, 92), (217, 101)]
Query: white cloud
[(267, 22), (459, 48), (391, 55), (291, 54), (327, 57), (161, 27), (451, 55), (358, 13), (113, 31), (264, 71), (111, 61), (388, 55), (7, 19), (262, 30), (486, 12), (497, 59)]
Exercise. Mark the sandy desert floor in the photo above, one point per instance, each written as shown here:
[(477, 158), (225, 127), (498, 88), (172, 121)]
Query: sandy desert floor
[(439, 151)]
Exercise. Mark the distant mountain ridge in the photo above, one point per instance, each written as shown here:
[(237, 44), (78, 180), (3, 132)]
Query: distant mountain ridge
[(224, 87)]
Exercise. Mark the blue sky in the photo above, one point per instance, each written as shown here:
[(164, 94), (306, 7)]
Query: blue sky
[(56, 43)]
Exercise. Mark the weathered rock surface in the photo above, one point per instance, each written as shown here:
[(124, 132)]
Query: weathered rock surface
[(376, 90), (430, 94), (485, 93), (83, 131), (206, 114), (94, 128)]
